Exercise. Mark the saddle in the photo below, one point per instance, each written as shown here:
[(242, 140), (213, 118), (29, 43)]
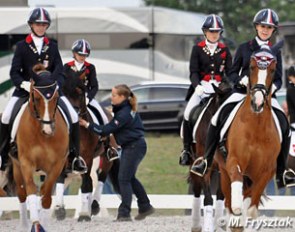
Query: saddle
[(197, 114)]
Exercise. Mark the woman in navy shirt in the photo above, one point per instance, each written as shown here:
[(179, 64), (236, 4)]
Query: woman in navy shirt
[(128, 130)]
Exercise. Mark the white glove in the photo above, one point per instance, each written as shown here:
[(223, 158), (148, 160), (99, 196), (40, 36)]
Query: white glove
[(26, 85), (199, 90), (86, 100), (244, 81), (273, 88)]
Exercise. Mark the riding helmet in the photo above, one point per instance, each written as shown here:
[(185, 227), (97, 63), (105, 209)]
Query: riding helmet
[(213, 23), (39, 15), (82, 47), (266, 17)]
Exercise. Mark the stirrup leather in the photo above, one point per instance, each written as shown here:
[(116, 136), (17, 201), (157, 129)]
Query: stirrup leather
[(83, 161), (284, 177), (200, 159)]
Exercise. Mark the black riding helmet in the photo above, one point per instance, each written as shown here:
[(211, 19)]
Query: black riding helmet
[(266, 17), (82, 47), (213, 23), (39, 15)]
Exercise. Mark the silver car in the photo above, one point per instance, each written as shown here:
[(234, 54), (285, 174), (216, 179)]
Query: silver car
[(160, 105)]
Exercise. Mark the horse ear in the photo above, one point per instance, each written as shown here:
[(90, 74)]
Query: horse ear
[(216, 89), (275, 48)]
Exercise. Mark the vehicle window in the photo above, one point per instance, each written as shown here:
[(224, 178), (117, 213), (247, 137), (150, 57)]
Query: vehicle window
[(141, 94), (167, 93)]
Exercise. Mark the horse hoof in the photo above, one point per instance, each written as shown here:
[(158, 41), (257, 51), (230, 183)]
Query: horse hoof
[(237, 211), (83, 218), (197, 229), (60, 213), (95, 208), (37, 228)]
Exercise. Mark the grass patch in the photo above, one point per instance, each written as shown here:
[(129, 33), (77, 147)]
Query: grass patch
[(160, 172)]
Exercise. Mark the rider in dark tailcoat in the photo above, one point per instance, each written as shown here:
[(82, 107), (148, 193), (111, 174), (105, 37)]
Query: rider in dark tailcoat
[(210, 61), (265, 22), (80, 67), (37, 48)]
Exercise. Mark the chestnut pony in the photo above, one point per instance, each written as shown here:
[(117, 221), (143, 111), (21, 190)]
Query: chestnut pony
[(253, 141), (91, 146), (43, 141), (198, 183)]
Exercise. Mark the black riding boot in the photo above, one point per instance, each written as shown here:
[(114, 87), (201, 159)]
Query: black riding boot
[(186, 156), (284, 175), (201, 164), (76, 161), (4, 145)]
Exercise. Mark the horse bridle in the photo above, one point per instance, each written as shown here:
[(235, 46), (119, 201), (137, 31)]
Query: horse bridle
[(263, 60), (35, 113)]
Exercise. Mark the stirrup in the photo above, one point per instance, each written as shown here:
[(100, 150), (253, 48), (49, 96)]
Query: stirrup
[(112, 154), (82, 160), (284, 178), (198, 160)]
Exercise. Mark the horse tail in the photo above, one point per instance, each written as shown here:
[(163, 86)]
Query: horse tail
[(10, 187), (113, 174)]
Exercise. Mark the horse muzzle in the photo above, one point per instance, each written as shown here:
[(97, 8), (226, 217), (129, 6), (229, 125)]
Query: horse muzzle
[(48, 129)]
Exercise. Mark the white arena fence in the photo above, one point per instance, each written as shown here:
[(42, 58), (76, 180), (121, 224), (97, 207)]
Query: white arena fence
[(159, 201)]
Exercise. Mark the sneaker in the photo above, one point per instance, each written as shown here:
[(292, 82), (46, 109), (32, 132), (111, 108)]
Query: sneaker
[(289, 178), (143, 215), (199, 167), (123, 219), (185, 158)]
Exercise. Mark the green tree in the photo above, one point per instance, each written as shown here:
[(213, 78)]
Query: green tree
[(237, 15)]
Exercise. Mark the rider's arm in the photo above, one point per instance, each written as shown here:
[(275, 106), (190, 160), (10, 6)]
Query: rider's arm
[(194, 67), (92, 91), (278, 73), (16, 67)]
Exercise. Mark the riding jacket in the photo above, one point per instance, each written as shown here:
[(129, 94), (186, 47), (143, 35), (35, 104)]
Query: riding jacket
[(26, 56), (206, 66), (126, 125), (291, 103), (241, 65), (90, 79)]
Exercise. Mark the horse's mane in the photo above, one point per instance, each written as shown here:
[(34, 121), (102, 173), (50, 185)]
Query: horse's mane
[(74, 86)]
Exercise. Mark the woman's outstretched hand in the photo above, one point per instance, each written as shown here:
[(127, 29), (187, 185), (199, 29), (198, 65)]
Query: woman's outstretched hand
[(83, 122)]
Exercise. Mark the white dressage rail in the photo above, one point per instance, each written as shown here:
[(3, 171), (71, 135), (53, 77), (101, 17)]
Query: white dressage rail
[(110, 201)]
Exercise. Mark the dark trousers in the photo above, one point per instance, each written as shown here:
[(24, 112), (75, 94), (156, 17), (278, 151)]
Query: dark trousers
[(132, 155)]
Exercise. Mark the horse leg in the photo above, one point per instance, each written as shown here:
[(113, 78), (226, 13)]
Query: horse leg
[(196, 207), (236, 178), (219, 204), (257, 190), (27, 170), (208, 225), (22, 195), (46, 192), (59, 209), (86, 189)]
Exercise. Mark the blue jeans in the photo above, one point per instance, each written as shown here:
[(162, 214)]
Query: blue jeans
[(132, 155)]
